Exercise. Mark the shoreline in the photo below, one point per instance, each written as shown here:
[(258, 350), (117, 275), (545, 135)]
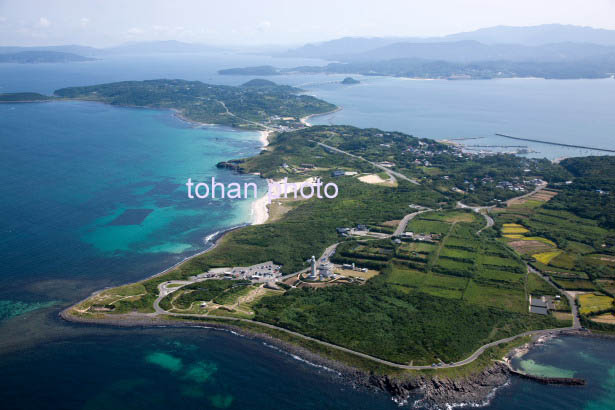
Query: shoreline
[(213, 239), (475, 389), (304, 120), (264, 137), (260, 215), (259, 211)]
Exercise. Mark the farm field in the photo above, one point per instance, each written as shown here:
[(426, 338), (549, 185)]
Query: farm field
[(546, 257), (606, 318), (560, 244), (591, 302), (510, 228), (464, 266)]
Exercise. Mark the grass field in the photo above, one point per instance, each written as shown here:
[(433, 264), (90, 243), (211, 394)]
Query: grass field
[(500, 276), (591, 302), (608, 318), (574, 284), (457, 253), (507, 299), (425, 226), (538, 286)]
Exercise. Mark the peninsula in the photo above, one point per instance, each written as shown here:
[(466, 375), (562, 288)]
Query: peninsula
[(256, 105), (422, 274)]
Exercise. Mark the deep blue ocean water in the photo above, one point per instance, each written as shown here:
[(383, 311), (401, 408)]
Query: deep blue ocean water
[(72, 175)]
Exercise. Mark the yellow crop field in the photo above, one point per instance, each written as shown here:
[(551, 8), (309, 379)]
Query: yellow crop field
[(514, 236), (591, 302), (513, 229), (546, 257)]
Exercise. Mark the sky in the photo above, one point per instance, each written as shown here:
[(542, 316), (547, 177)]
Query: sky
[(266, 22)]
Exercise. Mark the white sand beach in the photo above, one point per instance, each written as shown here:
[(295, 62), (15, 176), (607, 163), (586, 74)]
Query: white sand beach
[(259, 208), (264, 137), (304, 121)]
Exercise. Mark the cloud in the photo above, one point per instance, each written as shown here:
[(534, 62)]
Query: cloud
[(44, 22), (169, 30), (263, 26), (84, 21), (2, 19), (134, 31)]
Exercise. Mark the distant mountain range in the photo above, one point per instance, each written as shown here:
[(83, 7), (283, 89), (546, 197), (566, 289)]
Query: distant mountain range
[(521, 36), (469, 50), (33, 57), (69, 53), (547, 51), (551, 51)]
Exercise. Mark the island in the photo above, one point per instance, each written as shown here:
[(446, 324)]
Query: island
[(23, 97), (427, 271), (42, 56), (350, 81), (258, 70)]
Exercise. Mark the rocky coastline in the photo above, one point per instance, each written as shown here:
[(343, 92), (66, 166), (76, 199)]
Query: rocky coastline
[(437, 390)]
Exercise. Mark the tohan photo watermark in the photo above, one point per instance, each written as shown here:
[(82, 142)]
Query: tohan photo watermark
[(275, 189)]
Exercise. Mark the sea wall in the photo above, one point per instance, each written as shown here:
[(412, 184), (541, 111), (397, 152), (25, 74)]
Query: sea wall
[(570, 381)]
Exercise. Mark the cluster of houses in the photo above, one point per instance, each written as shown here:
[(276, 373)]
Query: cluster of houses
[(281, 123), (543, 304), (349, 231), (518, 187), (261, 272), (422, 237)]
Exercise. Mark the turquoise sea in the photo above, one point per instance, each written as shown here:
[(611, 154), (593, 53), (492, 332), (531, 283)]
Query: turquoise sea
[(93, 196)]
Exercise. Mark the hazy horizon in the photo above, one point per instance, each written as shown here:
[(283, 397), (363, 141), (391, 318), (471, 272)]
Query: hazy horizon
[(275, 22)]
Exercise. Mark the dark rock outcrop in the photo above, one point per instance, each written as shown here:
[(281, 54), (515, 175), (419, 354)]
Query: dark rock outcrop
[(440, 390), (234, 164)]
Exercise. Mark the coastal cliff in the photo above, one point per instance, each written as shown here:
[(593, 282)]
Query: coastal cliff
[(438, 390)]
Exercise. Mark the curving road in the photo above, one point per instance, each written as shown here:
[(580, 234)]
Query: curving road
[(390, 172), (576, 322), (401, 228), (165, 290), (463, 362)]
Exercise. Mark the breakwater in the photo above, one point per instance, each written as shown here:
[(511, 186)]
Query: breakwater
[(555, 143), (569, 381)]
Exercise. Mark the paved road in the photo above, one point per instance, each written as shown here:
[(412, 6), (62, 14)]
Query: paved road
[(484, 210), (401, 228), (468, 360), (537, 189), (390, 172), (576, 322), (326, 255), (165, 290), (243, 119), (489, 221)]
